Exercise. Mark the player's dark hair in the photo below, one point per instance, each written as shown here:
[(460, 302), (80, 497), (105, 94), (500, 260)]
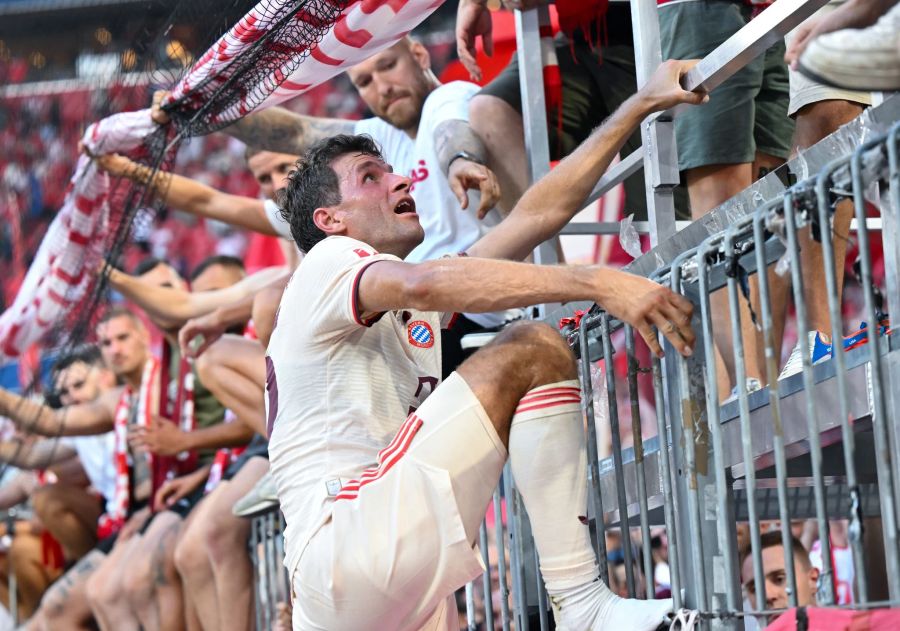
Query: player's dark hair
[(218, 259), (773, 538), (314, 184), (88, 354)]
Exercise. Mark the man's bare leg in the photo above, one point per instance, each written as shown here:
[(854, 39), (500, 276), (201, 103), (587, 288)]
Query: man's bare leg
[(70, 513), (234, 370), (192, 563), (216, 544), (65, 605), (814, 122), (152, 585), (534, 407), (25, 558), (106, 591)]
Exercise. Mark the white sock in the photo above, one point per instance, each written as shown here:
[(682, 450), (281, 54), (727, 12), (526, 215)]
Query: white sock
[(549, 463)]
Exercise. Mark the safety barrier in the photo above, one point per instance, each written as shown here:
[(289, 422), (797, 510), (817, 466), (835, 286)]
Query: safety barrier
[(271, 587)]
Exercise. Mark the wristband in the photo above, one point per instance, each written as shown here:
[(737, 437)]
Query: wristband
[(465, 155)]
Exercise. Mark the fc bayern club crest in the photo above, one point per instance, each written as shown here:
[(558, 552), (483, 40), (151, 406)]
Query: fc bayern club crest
[(420, 334)]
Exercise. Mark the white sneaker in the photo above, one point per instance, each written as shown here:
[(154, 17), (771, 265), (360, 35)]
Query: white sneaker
[(819, 351), (753, 384), (858, 59)]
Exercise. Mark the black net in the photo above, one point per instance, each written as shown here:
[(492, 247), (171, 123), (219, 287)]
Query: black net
[(292, 28)]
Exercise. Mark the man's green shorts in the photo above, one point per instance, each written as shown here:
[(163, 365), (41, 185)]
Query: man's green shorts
[(748, 112)]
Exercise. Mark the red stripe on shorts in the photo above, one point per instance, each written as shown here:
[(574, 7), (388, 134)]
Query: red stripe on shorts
[(548, 404), (388, 457)]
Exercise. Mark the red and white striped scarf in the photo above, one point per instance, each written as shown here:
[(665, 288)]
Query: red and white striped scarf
[(111, 521), (60, 275)]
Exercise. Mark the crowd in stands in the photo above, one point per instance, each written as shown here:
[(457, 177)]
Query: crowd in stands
[(156, 435)]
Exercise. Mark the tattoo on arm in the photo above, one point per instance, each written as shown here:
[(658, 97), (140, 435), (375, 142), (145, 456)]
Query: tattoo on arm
[(277, 129), (453, 136)]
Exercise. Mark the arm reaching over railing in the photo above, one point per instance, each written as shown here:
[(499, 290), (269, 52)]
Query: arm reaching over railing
[(187, 195), (552, 202), (39, 454), (171, 307)]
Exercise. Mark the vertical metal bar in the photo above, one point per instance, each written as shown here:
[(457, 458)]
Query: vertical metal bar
[(726, 548), (267, 560), (254, 556), (534, 110), (587, 407), (657, 135), (636, 432), (690, 458), (501, 560), (487, 584), (470, 606), (670, 499), (848, 438), (542, 595), (515, 549), (880, 419), (759, 218), (891, 245), (744, 411), (606, 339), (826, 591)]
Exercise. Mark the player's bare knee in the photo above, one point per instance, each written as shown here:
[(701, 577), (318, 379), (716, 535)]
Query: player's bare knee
[(548, 356)]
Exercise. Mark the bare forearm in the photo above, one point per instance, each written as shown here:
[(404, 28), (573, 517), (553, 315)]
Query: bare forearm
[(453, 137), (30, 416), (474, 285), (279, 130), (36, 455), (219, 436), (551, 202)]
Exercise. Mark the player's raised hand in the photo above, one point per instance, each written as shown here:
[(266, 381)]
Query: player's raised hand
[(645, 304), (473, 20)]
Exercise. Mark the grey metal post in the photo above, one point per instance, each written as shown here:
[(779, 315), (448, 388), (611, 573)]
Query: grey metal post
[(765, 307), (657, 134), (727, 548), (848, 438), (486, 578), (501, 561), (470, 606), (638, 440), (595, 500), (670, 497), (744, 407), (826, 584), (879, 408), (534, 110), (605, 333), (517, 558)]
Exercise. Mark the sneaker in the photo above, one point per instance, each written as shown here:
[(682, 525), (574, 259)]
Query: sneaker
[(753, 384), (260, 499), (594, 608), (822, 351), (858, 59)]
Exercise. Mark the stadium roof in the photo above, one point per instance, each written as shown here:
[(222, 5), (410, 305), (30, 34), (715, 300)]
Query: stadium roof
[(23, 7)]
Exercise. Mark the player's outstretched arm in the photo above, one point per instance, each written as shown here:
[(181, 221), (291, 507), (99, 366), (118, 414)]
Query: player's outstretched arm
[(552, 201), (190, 196), (75, 420), (474, 285), (282, 131), (40, 454), (171, 308)]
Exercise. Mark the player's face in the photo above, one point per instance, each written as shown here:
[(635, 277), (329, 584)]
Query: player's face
[(78, 383), (164, 275), (271, 171), (394, 83), (217, 277), (376, 206), (776, 581), (124, 344)]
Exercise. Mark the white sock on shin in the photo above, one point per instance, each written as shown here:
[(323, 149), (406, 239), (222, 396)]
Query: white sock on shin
[(549, 464)]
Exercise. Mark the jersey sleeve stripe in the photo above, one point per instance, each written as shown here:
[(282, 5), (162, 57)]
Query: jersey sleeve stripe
[(354, 299)]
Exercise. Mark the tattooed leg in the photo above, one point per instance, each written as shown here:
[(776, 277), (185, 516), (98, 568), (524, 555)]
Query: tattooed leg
[(65, 606)]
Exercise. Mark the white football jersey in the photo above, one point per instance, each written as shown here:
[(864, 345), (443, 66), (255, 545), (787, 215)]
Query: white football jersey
[(339, 383)]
